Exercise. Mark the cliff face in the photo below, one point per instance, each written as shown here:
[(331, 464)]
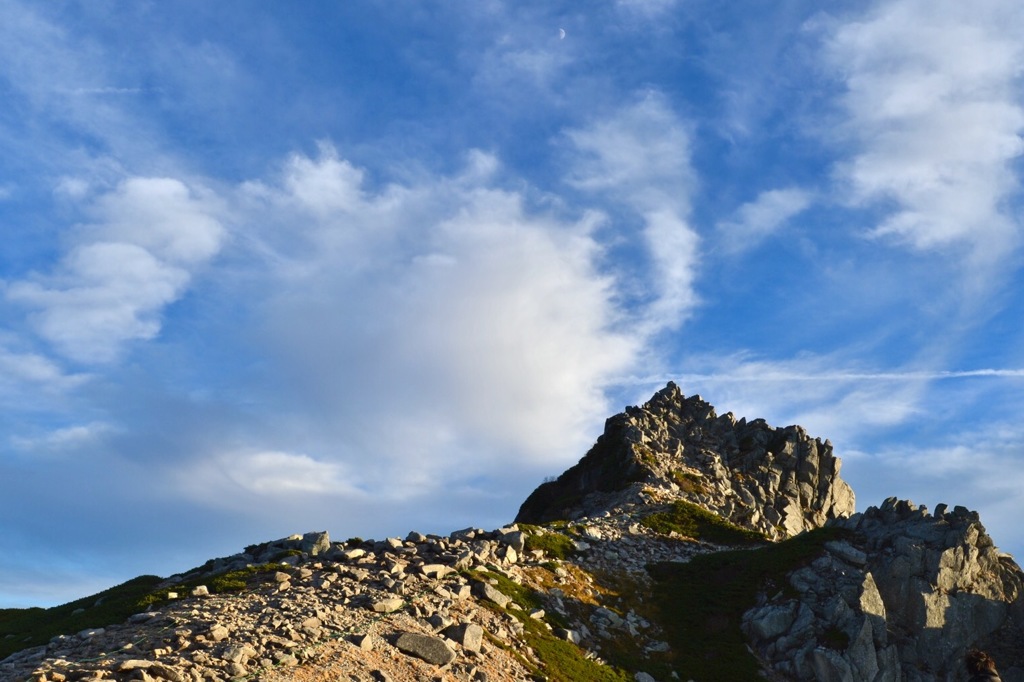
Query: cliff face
[(778, 481), (901, 599)]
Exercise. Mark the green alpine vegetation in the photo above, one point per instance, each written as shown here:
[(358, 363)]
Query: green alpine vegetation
[(695, 522)]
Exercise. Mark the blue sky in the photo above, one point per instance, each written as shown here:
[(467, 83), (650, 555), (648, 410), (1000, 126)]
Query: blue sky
[(373, 267)]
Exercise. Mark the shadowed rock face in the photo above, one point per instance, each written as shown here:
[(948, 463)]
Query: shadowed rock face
[(901, 599), (779, 481)]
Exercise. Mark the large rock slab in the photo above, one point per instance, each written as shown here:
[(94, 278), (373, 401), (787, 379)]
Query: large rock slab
[(431, 649)]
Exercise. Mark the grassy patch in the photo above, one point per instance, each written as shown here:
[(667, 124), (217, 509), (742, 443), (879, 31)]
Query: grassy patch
[(233, 581), (564, 661), (688, 482), (698, 523), (646, 455), (557, 524), (526, 597), (561, 661), (576, 587), (701, 602), (554, 544)]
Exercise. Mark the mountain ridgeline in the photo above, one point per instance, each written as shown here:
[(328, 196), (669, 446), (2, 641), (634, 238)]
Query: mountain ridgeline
[(683, 545)]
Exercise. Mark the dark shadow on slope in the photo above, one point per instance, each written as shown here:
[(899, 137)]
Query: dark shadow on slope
[(702, 602), (25, 628)]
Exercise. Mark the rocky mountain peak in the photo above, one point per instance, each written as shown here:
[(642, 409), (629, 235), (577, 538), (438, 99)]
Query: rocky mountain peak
[(637, 564), (778, 481)]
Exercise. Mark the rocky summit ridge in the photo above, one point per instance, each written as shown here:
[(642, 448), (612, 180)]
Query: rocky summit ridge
[(778, 481), (683, 546)]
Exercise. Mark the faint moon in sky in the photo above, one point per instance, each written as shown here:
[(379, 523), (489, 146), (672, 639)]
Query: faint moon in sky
[(561, 34)]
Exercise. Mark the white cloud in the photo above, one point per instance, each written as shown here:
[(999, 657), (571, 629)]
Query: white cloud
[(535, 64), (264, 474), (768, 213), (640, 157), (72, 187), (29, 367), (111, 287), (417, 334), (520, 315), (640, 154), (327, 186), (674, 248), (161, 215), (106, 294), (453, 324), (934, 113), (63, 439), (26, 377)]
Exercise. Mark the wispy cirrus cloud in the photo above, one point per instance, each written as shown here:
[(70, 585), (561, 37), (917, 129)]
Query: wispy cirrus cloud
[(805, 390), (28, 377), (887, 426), (755, 221), (63, 439), (831, 394), (649, 9), (934, 117), (759, 373), (639, 156), (69, 96)]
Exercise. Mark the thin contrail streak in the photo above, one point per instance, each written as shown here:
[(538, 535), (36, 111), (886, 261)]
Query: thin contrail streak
[(839, 376)]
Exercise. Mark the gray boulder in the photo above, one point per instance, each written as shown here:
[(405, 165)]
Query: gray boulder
[(490, 593), (469, 635), (430, 649)]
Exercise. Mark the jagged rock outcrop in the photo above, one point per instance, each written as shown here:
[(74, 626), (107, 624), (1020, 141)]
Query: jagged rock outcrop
[(901, 598), (778, 481)]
